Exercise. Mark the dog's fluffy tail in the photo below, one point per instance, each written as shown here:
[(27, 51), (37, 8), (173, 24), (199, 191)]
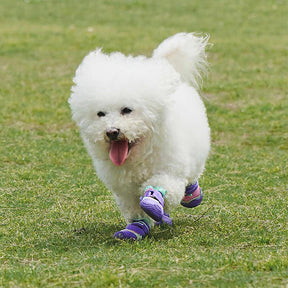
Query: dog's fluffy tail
[(186, 53)]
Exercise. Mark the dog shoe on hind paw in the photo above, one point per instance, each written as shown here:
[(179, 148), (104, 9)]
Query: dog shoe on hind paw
[(153, 205), (137, 230), (193, 196)]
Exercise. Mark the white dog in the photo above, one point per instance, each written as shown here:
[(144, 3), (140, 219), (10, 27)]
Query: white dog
[(145, 127)]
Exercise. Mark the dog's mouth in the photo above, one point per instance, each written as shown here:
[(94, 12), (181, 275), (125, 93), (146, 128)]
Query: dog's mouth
[(119, 151)]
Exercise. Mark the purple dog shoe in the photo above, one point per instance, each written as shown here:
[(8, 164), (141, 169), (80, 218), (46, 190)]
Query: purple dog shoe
[(137, 230), (193, 196), (153, 205), (165, 220)]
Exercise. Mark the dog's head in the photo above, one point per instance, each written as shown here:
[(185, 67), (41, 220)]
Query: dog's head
[(118, 103)]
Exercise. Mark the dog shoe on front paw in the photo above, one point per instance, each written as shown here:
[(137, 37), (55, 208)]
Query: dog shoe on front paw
[(153, 205), (137, 230)]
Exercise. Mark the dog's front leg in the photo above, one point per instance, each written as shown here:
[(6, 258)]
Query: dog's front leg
[(161, 192), (139, 224)]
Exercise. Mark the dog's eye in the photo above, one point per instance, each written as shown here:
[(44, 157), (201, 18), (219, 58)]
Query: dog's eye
[(126, 110), (101, 114)]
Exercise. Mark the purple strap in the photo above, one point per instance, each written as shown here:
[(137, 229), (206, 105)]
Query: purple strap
[(191, 188), (140, 227), (153, 193)]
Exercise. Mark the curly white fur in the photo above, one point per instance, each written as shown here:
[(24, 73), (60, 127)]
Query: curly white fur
[(167, 128)]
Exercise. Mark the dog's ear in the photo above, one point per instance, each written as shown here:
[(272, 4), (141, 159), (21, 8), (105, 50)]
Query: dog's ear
[(186, 53)]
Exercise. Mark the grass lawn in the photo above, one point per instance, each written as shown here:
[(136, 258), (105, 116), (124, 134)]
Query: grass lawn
[(57, 219)]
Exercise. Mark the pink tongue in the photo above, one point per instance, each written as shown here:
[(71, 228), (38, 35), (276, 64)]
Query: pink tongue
[(118, 152)]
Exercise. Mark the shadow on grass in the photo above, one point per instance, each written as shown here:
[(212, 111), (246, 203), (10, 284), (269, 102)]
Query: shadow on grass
[(96, 235), (62, 237)]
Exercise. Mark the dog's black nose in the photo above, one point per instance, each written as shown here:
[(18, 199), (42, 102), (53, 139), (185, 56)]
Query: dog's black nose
[(113, 133)]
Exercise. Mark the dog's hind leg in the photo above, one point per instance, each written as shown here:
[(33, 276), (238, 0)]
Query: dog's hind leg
[(193, 196)]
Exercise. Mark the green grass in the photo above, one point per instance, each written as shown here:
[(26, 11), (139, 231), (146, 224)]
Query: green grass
[(49, 191)]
